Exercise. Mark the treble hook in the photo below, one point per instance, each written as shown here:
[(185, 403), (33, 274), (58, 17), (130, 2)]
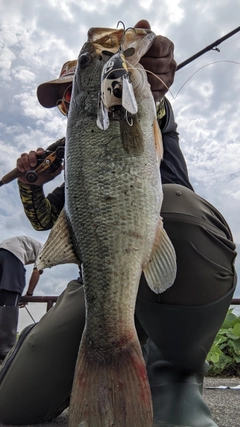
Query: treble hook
[(124, 32), (121, 22), (129, 120)]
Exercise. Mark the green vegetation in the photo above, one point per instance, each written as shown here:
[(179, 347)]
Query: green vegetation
[(224, 356)]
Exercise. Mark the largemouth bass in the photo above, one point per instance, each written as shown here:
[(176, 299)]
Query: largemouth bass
[(112, 218)]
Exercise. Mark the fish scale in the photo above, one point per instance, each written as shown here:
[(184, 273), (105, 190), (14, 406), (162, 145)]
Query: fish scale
[(112, 214), (114, 222), (113, 227)]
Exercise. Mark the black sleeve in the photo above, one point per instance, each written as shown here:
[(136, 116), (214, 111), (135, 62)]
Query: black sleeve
[(173, 166), (57, 197)]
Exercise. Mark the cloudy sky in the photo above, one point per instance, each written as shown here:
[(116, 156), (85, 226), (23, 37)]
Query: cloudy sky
[(37, 37)]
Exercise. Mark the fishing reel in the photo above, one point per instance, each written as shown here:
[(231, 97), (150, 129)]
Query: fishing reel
[(48, 162)]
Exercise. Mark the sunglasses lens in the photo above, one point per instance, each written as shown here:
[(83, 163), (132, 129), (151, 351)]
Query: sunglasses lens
[(62, 107), (61, 103), (67, 94)]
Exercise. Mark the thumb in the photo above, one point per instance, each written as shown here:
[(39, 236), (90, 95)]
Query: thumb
[(143, 24)]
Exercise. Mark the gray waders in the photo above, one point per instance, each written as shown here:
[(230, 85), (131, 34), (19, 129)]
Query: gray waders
[(8, 329), (36, 377), (180, 339)]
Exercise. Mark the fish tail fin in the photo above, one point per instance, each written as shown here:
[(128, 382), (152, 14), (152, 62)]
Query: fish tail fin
[(110, 389)]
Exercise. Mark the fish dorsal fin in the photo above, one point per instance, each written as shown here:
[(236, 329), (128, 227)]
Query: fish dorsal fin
[(58, 249), (160, 272)]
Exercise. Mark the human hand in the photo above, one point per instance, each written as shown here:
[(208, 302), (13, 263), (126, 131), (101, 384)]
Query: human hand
[(22, 304), (28, 161), (159, 60)]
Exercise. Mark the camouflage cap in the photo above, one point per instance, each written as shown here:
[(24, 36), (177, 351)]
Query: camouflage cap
[(47, 93)]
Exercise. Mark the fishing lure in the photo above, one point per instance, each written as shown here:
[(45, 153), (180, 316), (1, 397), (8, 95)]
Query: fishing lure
[(117, 95)]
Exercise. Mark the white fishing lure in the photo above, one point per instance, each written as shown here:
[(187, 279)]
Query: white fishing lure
[(116, 90)]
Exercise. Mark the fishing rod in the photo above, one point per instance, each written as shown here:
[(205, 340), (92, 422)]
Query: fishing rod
[(55, 152), (212, 46)]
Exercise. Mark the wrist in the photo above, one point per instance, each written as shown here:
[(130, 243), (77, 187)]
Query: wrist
[(29, 294)]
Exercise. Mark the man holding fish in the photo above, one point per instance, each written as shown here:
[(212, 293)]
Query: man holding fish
[(176, 327)]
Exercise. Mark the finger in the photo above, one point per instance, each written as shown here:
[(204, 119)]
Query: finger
[(40, 151), (23, 162), (19, 165), (32, 159), (143, 23), (161, 47), (158, 67)]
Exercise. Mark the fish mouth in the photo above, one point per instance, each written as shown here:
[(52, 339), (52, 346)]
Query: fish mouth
[(105, 39), (112, 39)]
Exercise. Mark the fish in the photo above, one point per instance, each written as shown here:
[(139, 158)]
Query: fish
[(111, 226)]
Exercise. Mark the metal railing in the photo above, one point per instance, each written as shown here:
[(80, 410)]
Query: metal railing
[(50, 300)]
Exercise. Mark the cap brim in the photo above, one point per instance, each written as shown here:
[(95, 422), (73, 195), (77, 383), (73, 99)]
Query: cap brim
[(48, 93)]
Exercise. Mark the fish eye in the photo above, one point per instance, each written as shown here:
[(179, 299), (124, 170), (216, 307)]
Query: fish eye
[(84, 59)]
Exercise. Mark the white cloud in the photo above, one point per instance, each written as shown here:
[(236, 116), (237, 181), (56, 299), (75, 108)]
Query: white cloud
[(7, 57), (24, 75), (36, 38)]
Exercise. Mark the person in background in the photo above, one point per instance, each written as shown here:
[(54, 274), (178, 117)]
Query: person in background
[(15, 253), (176, 328)]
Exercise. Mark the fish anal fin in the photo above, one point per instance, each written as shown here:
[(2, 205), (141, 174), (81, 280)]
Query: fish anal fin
[(160, 271), (58, 249), (110, 388)]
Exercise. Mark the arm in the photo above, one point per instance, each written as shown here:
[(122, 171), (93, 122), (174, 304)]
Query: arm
[(41, 211), (33, 281), (173, 166)]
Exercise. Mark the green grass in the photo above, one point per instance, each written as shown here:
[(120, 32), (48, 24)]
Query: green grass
[(224, 356)]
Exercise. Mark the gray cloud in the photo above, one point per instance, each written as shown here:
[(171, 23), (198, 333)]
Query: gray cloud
[(36, 38)]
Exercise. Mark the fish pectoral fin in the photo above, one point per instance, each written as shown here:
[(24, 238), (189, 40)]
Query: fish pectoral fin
[(58, 249), (160, 272)]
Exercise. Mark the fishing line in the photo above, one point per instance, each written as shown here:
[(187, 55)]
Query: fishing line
[(30, 314), (204, 66), (164, 84)]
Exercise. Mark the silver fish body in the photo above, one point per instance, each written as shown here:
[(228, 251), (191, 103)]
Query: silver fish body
[(112, 212)]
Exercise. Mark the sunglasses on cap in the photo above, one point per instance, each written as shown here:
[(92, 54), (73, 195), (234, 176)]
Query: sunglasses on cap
[(63, 103)]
